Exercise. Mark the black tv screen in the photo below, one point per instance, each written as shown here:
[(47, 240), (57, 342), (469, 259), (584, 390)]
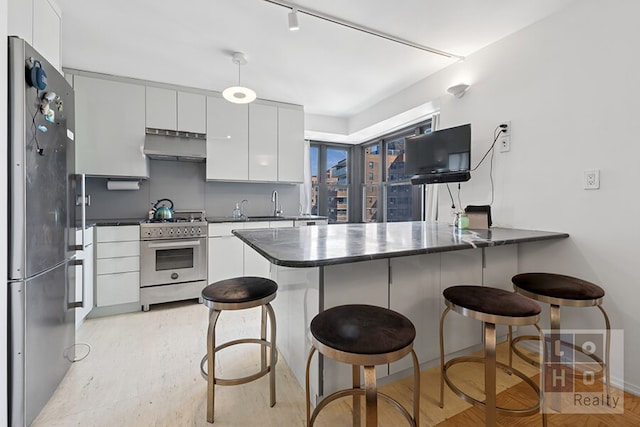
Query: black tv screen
[(440, 156)]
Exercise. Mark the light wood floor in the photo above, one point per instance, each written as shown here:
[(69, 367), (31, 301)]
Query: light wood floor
[(143, 370)]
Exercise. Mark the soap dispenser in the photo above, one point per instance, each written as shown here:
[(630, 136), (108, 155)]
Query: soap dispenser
[(236, 214)]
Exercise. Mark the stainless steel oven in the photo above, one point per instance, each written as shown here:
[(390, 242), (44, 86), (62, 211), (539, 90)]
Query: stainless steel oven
[(173, 261)]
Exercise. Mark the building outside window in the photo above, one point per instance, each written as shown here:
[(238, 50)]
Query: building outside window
[(330, 181), (387, 193)]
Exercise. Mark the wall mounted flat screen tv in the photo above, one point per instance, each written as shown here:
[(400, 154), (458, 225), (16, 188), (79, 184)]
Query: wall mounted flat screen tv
[(440, 156)]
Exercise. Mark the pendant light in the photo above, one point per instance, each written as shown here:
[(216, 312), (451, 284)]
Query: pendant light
[(239, 94)]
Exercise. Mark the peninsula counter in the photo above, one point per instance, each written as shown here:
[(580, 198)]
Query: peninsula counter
[(403, 266)]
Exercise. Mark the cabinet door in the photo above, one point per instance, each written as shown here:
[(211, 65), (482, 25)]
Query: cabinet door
[(192, 112), (290, 145), (414, 290), (226, 258), (110, 121), (161, 108), (460, 268), (227, 140), (263, 142), (121, 288), (47, 31)]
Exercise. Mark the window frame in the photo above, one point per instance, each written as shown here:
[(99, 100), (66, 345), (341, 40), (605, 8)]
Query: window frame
[(385, 184), (322, 184)]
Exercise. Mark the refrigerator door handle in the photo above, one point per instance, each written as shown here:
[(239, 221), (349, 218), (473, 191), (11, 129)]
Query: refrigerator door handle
[(83, 210), (77, 304)]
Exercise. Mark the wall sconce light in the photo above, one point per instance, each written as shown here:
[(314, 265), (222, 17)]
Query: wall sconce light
[(458, 90)]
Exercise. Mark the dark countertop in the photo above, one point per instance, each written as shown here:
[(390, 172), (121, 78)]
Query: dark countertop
[(112, 222), (216, 219), (343, 243)]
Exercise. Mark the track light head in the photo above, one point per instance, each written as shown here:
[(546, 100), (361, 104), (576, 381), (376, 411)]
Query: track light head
[(293, 20)]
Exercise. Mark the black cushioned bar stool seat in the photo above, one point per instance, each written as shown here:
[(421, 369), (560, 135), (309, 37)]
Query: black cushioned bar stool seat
[(491, 306), (363, 335), (237, 294), (559, 290), (239, 290)]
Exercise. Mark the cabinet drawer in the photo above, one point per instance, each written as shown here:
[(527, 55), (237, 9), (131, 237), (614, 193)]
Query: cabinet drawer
[(118, 265), (222, 229), (118, 234), (280, 224), (256, 224), (117, 249), (120, 288)]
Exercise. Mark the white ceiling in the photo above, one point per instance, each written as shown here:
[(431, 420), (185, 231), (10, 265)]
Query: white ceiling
[(330, 69)]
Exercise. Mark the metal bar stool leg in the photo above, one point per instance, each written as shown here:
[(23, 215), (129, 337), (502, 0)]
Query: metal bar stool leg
[(416, 388), (307, 388), (355, 374), (273, 357), (490, 373), (371, 396), (444, 313), (510, 343), (263, 336), (543, 359), (211, 362), (607, 372), (555, 355)]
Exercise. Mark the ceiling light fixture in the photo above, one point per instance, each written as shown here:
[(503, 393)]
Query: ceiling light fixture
[(239, 94), (335, 20), (458, 90), (293, 20)]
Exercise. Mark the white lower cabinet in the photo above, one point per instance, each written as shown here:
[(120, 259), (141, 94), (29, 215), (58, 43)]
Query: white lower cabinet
[(230, 257), (117, 268)]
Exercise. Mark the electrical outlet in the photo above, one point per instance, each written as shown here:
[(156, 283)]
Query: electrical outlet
[(592, 179), (504, 143), (507, 131)]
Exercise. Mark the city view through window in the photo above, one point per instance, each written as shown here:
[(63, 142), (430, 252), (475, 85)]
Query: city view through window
[(336, 181)]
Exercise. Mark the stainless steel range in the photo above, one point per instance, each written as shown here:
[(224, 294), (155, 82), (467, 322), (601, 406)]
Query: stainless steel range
[(173, 259)]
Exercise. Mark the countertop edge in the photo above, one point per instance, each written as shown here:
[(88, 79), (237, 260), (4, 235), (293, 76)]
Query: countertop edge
[(396, 254)]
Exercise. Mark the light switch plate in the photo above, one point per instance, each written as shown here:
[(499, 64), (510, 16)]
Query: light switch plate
[(592, 179)]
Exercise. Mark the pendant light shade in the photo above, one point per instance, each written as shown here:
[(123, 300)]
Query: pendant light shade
[(239, 94)]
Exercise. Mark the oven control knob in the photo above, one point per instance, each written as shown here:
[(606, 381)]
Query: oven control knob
[(174, 276)]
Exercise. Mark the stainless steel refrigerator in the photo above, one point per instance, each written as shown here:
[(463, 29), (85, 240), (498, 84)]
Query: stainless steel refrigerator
[(42, 231)]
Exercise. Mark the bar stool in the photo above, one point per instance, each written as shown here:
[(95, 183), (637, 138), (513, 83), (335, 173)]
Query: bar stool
[(238, 294), (493, 307), (363, 335), (559, 290)]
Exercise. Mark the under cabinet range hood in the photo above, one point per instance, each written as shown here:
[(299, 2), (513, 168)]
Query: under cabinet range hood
[(162, 144)]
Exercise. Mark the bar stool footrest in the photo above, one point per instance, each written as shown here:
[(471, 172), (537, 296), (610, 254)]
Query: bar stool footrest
[(360, 392), (236, 381), (524, 412), (536, 363)]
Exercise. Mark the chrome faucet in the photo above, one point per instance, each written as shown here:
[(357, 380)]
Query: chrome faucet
[(274, 200)]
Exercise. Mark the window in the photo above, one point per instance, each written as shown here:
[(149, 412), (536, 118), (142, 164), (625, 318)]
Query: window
[(387, 193), (330, 181)]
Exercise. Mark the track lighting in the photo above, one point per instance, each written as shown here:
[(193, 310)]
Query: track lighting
[(293, 20)]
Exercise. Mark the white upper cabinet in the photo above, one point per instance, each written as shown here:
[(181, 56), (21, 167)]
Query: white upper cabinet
[(110, 121), (290, 144), (161, 111), (192, 112), (227, 140), (263, 142), (39, 23), (173, 110)]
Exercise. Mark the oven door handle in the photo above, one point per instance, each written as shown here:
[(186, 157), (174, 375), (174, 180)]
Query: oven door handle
[(181, 243)]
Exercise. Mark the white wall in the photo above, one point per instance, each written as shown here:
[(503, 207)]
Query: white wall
[(569, 86), (3, 217)]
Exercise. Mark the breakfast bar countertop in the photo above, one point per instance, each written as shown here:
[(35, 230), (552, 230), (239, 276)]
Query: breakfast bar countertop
[(344, 243)]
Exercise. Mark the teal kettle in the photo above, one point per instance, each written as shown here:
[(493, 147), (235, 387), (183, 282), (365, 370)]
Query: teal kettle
[(163, 212)]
